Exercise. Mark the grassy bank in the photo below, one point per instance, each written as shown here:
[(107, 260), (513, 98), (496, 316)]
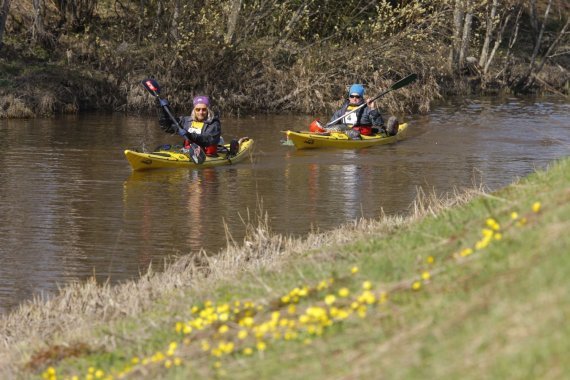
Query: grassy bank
[(472, 286)]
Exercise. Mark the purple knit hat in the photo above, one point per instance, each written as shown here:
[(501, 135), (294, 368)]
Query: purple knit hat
[(201, 100)]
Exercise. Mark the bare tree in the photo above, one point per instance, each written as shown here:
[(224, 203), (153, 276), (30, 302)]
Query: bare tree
[(39, 33), (75, 13), (491, 22), (458, 14), (232, 21), (3, 17), (462, 24)]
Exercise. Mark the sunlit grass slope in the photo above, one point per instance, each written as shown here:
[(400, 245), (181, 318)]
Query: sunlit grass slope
[(478, 290)]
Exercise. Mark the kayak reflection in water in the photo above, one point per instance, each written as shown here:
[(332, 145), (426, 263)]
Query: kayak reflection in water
[(202, 127)]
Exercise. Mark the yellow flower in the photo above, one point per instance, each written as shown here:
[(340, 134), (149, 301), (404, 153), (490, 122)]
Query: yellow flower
[(536, 207), (291, 309), (430, 259), (242, 334), (498, 236), (223, 329), (344, 292), (514, 215), (261, 346), (466, 252), (366, 285), (330, 299), (416, 285), (426, 275), (354, 270), (247, 351)]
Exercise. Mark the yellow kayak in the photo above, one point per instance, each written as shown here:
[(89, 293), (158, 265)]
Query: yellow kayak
[(307, 140), (176, 159)]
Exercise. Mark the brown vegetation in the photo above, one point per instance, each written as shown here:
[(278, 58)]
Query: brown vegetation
[(277, 56)]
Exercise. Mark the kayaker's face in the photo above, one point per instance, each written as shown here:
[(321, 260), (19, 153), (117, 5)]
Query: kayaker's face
[(354, 99), (200, 112)]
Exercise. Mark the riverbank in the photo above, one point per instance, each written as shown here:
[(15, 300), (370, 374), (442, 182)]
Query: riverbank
[(56, 58), (472, 285)]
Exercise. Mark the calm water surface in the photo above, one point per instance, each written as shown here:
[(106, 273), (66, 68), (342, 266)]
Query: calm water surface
[(71, 207)]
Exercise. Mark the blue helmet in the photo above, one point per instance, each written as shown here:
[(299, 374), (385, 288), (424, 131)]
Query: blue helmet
[(356, 89)]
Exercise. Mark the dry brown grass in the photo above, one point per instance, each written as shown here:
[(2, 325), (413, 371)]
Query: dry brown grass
[(12, 107)]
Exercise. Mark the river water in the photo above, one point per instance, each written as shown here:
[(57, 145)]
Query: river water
[(72, 208)]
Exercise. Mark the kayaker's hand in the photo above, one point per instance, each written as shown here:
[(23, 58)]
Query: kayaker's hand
[(182, 132), (371, 104)]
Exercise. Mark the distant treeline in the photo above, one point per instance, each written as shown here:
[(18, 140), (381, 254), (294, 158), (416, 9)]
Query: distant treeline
[(253, 56)]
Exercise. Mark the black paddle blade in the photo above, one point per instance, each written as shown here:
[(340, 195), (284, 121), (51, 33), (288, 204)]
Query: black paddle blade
[(197, 154), (151, 86), (234, 147), (404, 82)]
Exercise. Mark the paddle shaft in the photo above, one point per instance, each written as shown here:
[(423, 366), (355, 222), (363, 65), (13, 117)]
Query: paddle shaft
[(399, 84), (195, 150)]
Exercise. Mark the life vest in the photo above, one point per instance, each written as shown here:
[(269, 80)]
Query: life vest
[(196, 127), (353, 117)]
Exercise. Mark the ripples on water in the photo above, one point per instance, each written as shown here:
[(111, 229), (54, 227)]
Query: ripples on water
[(72, 208)]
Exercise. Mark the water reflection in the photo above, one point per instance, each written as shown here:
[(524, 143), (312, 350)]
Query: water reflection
[(72, 207)]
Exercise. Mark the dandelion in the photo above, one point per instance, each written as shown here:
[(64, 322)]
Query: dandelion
[(177, 361), (366, 285), (536, 207), (168, 364), (514, 215), (261, 346), (242, 334), (330, 299), (354, 270), (344, 292), (430, 260), (465, 252), (291, 309), (498, 236), (223, 329), (248, 351), (426, 275), (416, 285)]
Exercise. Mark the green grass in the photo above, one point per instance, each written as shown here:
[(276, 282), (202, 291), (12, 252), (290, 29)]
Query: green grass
[(499, 313)]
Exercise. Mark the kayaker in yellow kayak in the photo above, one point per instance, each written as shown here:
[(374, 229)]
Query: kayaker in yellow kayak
[(357, 116), (202, 127)]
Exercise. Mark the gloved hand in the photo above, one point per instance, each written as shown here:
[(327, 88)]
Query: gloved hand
[(161, 102), (182, 132)]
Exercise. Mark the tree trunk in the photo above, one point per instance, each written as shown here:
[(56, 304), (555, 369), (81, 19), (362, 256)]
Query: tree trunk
[(466, 38), (488, 33), (526, 80), (458, 14), (232, 21), (175, 16), (3, 17)]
